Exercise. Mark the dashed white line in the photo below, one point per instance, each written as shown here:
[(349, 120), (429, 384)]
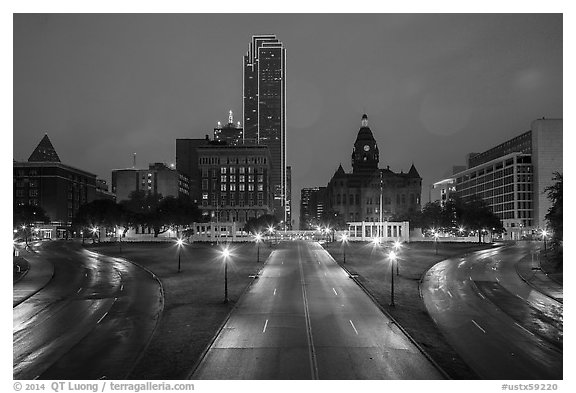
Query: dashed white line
[(121, 287), (78, 291), (265, 324), (101, 318), (478, 326), (450, 294), (353, 327), (482, 296), (274, 291), (523, 328), (336, 293), (497, 279)]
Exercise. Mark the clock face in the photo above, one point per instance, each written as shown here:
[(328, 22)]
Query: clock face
[(366, 147)]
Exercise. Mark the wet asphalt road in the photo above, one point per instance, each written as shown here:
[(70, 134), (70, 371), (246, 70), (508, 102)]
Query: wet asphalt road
[(304, 318), (92, 320), (501, 326)]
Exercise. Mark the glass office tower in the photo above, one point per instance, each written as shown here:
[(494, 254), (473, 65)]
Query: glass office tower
[(264, 107)]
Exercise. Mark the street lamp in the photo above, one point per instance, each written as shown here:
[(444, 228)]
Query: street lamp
[(225, 255), (179, 243), (258, 239), (397, 246), (392, 258), (94, 230), (436, 241), (344, 240), (544, 234)]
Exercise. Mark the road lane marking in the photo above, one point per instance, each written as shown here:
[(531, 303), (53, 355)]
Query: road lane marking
[(523, 328), (79, 290), (335, 291), (121, 287), (479, 327), (101, 318), (265, 324), (311, 350), (449, 293), (482, 296), (353, 327), (274, 291), (497, 279)]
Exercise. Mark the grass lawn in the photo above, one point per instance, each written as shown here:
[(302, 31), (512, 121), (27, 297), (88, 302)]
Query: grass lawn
[(552, 263), (193, 299), (373, 271)]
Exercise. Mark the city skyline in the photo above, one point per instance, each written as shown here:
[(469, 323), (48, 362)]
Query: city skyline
[(106, 86)]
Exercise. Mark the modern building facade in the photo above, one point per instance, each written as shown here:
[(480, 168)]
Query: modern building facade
[(512, 177), (264, 109), (57, 188), (371, 194), (312, 205), (235, 182), (288, 223), (157, 179)]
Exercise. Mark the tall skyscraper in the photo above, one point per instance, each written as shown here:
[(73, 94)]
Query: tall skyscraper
[(264, 107)]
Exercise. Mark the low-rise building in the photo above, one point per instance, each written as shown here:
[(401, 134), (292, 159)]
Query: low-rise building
[(158, 179)]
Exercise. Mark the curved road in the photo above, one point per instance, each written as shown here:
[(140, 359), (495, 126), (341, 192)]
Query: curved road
[(92, 320), (501, 326), (305, 319)]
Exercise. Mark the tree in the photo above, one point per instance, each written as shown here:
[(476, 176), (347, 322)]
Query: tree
[(142, 208), (414, 218), (261, 224), (103, 213), (432, 215), (476, 215), (555, 213), (176, 212), (26, 215)]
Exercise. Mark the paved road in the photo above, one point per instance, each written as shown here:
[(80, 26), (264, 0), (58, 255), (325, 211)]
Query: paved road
[(501, 326), (305, 319), (92, 320)]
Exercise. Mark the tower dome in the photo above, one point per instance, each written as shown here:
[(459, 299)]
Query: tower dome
[(365, 154)]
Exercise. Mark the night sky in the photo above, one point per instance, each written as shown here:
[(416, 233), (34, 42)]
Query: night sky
[(434, 87)]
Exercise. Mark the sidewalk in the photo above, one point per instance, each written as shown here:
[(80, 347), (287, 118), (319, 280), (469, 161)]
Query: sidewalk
[(39, 274), (530, 271)]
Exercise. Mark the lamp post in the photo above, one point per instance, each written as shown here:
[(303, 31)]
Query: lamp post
[(82, 234), (179, 243), (258, 238), (436, 241), (392, 258), (544, 234), (94, 230), (25, 234), (271, 232), (344, 240), (397, 247), (225, 255)]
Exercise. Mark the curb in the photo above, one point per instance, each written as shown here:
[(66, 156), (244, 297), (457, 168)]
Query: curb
[(385, 312), (217, 333), (37, 290), (539, 290)]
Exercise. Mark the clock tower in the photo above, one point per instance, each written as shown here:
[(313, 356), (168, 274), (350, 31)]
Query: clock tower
[(365, 152)]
